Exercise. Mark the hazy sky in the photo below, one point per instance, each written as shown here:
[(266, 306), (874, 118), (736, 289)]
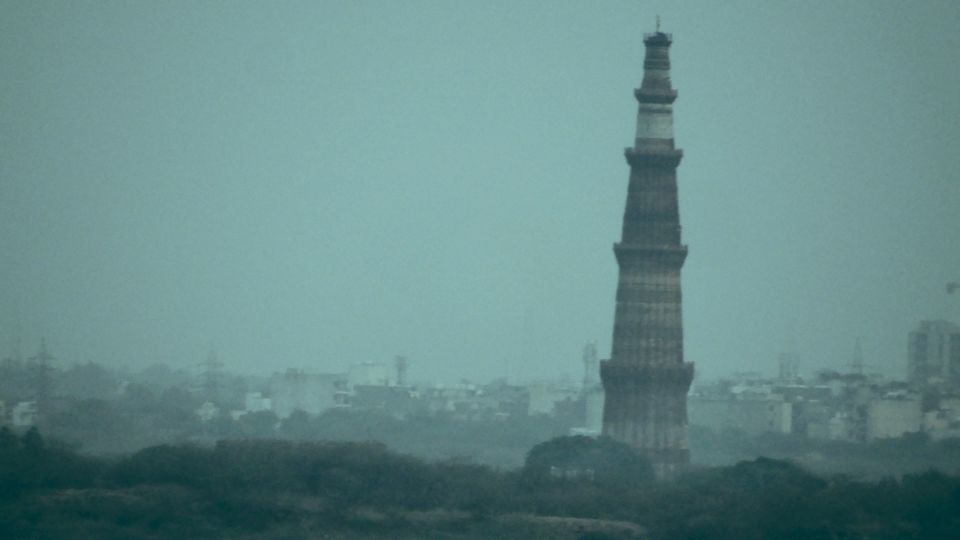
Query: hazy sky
[(316, 184)]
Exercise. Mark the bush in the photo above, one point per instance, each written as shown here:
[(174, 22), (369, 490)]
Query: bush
[(603, 461)]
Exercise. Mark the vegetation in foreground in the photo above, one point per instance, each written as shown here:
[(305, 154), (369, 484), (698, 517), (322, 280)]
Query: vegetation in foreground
[(570, 487)]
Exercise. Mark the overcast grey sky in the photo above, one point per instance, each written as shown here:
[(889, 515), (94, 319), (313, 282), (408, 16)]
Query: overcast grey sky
[(316, 184)]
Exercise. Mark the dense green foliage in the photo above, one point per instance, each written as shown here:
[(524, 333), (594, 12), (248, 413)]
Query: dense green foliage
[(28, 463), (912, 453), (603, 461), (287, 489)]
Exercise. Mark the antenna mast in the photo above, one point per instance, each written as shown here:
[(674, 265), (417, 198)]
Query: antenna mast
[(857, 364)]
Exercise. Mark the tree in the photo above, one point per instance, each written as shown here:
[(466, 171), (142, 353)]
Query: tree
[(8, 440), (165, 464), (260, 424), (31, 442), (88, 381), (603, 460), (297, 426)]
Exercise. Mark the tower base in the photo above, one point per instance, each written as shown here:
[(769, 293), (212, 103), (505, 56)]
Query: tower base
[(646, 408)]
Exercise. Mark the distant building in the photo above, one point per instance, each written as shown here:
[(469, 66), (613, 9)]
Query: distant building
[(397, 401), (468, 401), (444, 399), (894, 416), (371, 374), (943, 422), (465, 401), (255, 402), (850, 407), (312, 393), (933, 360), (544, 396), (509, 400), (752, 415), (818, 419)]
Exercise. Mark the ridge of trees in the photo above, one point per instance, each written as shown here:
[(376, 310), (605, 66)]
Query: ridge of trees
[(247, 488)]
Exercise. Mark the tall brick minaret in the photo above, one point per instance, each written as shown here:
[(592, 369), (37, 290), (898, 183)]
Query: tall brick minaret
[(646, 379)]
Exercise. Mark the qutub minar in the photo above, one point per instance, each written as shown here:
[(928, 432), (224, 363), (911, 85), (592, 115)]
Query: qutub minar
[(646, 379)]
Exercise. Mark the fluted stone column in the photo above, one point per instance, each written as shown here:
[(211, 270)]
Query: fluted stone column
[(646, 379)]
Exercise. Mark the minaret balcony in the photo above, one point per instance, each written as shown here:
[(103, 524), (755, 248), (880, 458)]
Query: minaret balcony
[(655, 95), (656, 157), (628, 376), (657, 38), (635, 255)]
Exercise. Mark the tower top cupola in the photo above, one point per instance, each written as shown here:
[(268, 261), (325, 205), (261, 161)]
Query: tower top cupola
[(656, 87)]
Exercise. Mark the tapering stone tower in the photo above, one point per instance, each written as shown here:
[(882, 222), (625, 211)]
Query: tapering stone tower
[(646, 379)]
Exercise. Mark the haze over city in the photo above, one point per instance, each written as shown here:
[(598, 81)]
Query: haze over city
[(334, 183)]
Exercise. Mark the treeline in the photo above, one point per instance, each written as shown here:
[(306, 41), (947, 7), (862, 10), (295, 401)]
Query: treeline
[(570, 487), (912, 453)]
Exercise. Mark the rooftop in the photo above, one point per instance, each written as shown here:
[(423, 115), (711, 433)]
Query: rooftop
[(658, 38)]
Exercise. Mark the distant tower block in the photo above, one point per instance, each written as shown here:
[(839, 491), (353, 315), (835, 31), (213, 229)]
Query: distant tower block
[(789, 367), (646, 379), (590, 365), (934, 357), (401, 364)]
